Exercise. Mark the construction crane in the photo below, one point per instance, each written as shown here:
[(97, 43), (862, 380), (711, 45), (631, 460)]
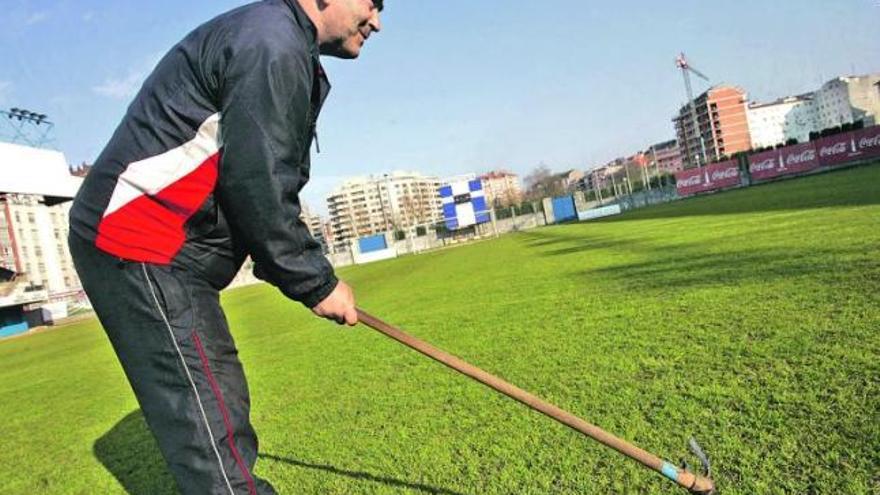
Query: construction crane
[(682, 63)]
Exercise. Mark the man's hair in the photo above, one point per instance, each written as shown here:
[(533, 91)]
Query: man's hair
[(378, 4)]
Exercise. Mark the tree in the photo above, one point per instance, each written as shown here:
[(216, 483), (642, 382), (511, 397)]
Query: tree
[(506, 199), (538, 175), (541, 183)]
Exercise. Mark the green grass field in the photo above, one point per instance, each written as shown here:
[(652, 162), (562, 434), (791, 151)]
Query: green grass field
[(749, 319)]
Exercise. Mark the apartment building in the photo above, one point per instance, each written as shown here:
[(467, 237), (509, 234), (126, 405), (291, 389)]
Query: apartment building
[(35, 186), (666, 157), (569, 180), (314, 223), (367, 206), (34, 242), (608, 176), (848, 99), (792, 117), (501, 188), (722, 125), (592, 179), (842, 100)]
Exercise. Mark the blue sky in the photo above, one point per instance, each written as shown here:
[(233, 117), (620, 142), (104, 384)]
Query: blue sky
[(456, 86)]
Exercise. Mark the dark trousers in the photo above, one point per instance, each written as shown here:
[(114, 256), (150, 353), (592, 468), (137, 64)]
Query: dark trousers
[(172, 339)]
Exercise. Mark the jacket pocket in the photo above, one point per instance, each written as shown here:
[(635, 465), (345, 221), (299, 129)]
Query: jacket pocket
[(204, 221)]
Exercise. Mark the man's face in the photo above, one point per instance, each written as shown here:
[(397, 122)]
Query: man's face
[(347, 25)]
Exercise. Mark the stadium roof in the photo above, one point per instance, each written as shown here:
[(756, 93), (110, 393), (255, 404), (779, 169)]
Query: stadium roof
[(26, 170)]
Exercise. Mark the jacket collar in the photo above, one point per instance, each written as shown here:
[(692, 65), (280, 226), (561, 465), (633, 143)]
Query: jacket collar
[(305, 23)]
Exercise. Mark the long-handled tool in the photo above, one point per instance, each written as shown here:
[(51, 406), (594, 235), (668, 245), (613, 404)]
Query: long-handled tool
[(701, 484)]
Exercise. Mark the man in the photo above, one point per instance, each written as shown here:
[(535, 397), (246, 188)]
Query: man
[(205, 169)]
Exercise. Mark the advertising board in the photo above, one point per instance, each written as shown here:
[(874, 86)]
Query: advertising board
[(793, 159), (709, 178)]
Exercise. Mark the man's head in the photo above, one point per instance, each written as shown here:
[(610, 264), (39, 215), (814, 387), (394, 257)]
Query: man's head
[(343, 25)]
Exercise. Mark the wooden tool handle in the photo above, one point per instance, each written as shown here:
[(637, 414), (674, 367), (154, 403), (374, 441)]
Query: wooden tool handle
[(686, 479)]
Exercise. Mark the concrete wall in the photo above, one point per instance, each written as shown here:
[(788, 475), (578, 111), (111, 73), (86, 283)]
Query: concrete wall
[(522, 222), (429, 241)]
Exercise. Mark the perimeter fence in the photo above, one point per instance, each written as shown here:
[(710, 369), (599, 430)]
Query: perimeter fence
[(827, 153)]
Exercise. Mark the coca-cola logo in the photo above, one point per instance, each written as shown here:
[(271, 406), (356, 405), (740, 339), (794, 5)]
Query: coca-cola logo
[(694, 180), (761, 166), (834, 149), (870, 142), (727, 173), (805, 156)]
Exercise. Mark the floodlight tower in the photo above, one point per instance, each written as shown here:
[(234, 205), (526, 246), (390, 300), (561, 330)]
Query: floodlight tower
[(682, 63), (30, 128)]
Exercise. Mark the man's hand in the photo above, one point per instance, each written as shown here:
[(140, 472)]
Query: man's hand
[(338, 306)]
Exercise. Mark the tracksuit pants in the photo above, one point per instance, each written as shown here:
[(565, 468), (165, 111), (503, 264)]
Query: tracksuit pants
[(172, 339)]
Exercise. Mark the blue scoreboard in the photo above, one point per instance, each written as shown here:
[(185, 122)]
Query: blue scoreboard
[(463, 204)]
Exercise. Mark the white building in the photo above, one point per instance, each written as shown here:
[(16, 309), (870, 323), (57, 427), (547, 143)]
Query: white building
[(35, 243), (501, 188), (391, 202), (842, 100), (571, 178), (793, 117), (35, 189), (848, 99), (315, 224)]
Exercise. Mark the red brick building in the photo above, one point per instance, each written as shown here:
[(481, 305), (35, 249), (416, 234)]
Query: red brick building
[(723, 125)]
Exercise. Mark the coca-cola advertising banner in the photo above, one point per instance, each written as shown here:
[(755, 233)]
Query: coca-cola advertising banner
[(837, 149), (840, 149), (849, 146), (868, 141), (764, 165), (798, 158), (709, 178), (793, 159)]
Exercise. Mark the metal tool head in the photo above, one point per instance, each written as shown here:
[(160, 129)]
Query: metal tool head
[(707, 487)]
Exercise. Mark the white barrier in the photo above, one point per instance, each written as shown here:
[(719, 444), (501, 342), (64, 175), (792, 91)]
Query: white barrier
[(384, 254), (605, 211), (53, 312)]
